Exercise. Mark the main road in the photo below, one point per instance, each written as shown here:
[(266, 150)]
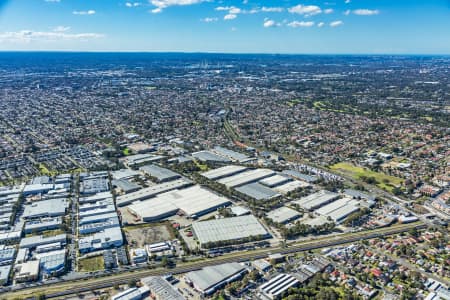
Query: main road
[(66, 288)]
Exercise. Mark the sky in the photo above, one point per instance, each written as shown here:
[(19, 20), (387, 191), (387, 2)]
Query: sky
[(228, 26)]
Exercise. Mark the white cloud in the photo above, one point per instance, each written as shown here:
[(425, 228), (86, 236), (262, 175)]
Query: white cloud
[(270, 23), (307, 10), (53, 1), (366, 12), (230, 17), (347, 1), (222, 8), (84, 12), (272, 9), (328, 11), (347, 12), (296, 24), (209, 20), (61, 28), (133, 4), (162, 4), (320, 24), (336, 23), (26, 36)]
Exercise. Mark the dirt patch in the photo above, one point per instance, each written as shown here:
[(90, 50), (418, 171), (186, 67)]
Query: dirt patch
[(138, 236)]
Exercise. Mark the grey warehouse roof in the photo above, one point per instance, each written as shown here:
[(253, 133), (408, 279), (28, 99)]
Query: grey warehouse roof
[(208, 277), (162, 174), (162, 288), (257, 191), (228, 229)]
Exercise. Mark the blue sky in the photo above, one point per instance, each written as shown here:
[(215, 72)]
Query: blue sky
[(250, 26)]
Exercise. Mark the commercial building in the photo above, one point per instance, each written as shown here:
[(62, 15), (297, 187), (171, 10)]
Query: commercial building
[(133, 294), (46, 208), (96, 197), (6, 255), (283, 215), (90, 186), (97, 211), (235, 229), (246, 177), (192, 201), (159, 174), (34, 189), (94, 205), (274, 288), (257, 191), (230, 154), (139, 159), (150, 192), (210, 279), (340, 209), (52, 263), (110, 237), (208, 156), (28, 271), (125, 186), (291, 186), (223, 172), (275, 180), (42, 224), (317, 200), (99, 225), (35, 241), (301, 176), (160, 289), (4, 274), (97, 218)]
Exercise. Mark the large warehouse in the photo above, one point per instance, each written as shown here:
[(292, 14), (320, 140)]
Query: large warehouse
[(228, 229), (210, 279), (246, 177), (160, 174), (257, 191), (193, 201), (317, 200), (222, 172)]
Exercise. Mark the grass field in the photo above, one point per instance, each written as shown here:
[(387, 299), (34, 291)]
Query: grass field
[(91, 264), (384, 181)]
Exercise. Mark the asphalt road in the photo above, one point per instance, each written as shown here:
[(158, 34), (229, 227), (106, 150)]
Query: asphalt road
[(88, 284)]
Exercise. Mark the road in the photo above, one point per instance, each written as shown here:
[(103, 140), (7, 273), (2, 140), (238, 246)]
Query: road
[(69, 287)]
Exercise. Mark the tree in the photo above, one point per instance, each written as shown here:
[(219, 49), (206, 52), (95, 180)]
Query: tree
[(132, 283)]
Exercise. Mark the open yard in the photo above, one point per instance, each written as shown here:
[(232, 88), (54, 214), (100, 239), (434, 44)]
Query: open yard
[(140, 235), (384, 181), (91, 264)]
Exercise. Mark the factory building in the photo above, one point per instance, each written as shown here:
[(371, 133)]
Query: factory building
[(46, 208), (108, 238), (316, 200), (274, 288), (283, 215), (246, 177), (161, 289), (223, 172), (210, 279), (159, 174), (234, 230)]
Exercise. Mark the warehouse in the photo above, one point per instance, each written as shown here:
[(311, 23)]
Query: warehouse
[(97, 218), (52, 263), (325, 210), (40, 240), (246, 177), (6, 254), (291, 186), (274, 288), (233, 155), (159, 174), (94, 185), (125, 186), (235, 229), (223, 172), (301, 176), (210, 279), (161, 289), (257, 191), (124, 174), (110, 237), (96, 197), (4, 274), (34, 189), (339, 209), (208, 156), (193, 202), (42, 225), (46, 208), (275, 180), (97, 211), (150, 192), (317, 200), (99, 204), (139, 159), (283, 215), (28, 271), (99, 225)]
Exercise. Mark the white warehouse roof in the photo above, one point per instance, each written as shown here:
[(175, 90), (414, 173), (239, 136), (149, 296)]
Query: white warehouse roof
[(223, 172), (246, 177)]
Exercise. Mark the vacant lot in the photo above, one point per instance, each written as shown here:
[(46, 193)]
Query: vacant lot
[(384, 181), (139, 235), (91, 264)]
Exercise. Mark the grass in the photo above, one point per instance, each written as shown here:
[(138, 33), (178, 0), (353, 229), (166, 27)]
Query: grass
[(91, 264), (293, 102), (45, 171), (384, 181), (126, 151), (202, 167)]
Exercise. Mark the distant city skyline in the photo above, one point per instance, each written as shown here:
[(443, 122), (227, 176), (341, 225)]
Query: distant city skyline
[(244, 26)]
